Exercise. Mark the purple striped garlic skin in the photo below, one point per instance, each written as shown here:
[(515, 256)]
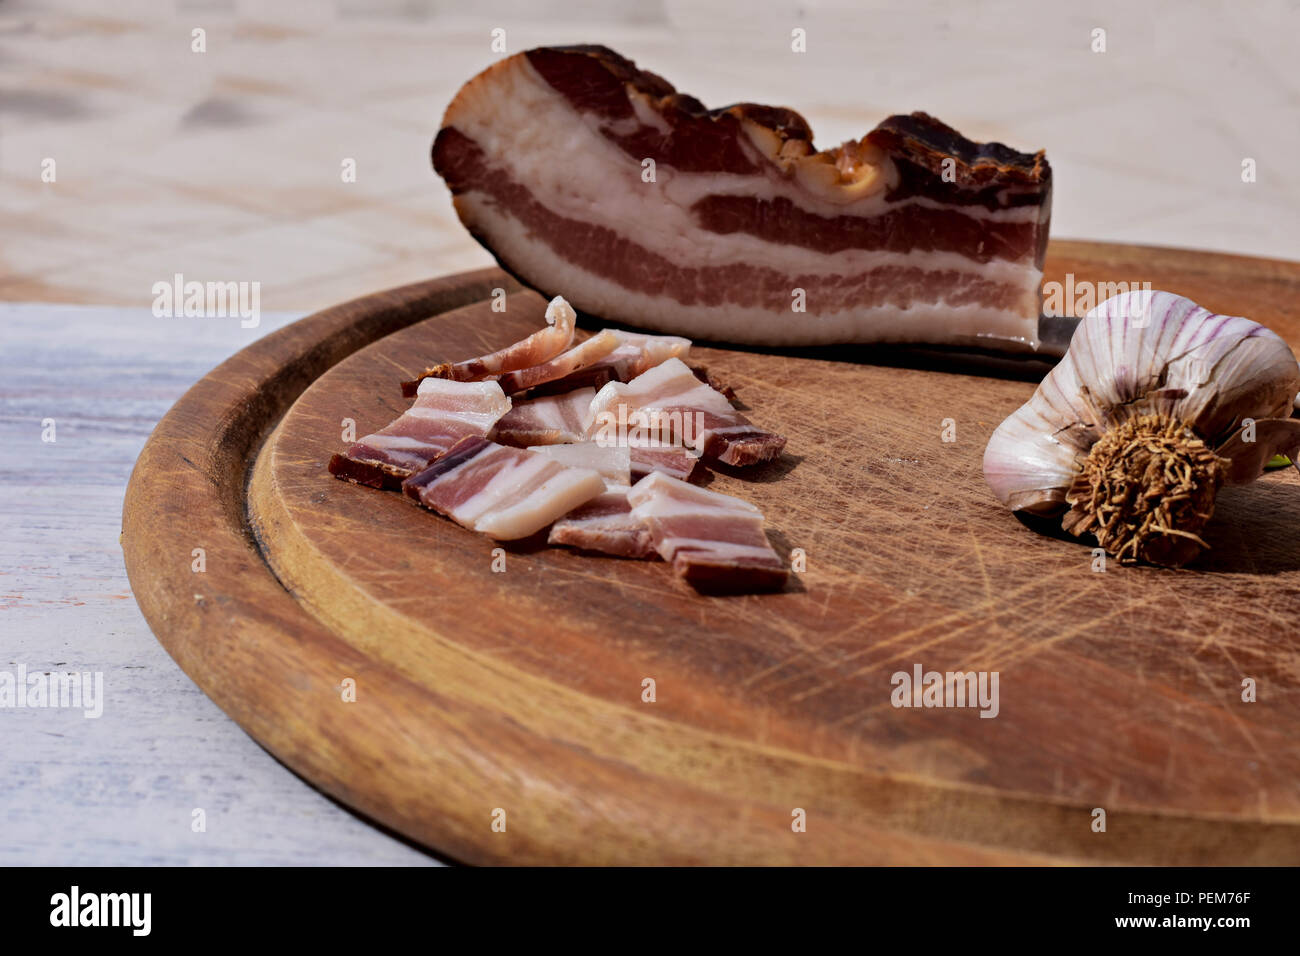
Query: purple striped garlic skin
[(1149, 352)]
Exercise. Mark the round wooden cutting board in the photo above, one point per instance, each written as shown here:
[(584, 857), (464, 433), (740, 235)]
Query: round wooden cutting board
[(519, 696)]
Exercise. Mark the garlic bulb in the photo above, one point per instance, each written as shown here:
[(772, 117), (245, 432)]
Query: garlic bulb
[(1156, 404)]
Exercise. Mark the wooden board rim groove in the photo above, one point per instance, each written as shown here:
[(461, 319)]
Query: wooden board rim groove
[(209, 439)]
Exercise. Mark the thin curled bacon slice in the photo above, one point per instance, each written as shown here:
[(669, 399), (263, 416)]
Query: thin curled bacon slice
[(586, 353), (542, 346), (634, 354)]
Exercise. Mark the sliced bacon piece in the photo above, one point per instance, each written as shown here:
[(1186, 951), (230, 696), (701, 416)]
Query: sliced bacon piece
[(444, 412), (580, 356), (594, 378), (671, 403), (546, 421), (672, 460), (604, 524), (610, 462), (747, 233), (714, 541), (542, 346), (505, 493), (718, 385)]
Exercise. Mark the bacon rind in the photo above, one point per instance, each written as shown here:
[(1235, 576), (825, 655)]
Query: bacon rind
[(719, 577), (980, 173), (371, 474), (597, 80)]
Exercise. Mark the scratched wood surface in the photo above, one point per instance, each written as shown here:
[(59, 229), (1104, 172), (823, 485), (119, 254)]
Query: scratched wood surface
[(522, 691)]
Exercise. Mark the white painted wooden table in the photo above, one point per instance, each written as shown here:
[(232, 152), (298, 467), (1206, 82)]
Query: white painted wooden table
[(122, 788)]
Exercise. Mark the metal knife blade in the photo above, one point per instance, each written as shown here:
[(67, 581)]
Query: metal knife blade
[(1054, 333)]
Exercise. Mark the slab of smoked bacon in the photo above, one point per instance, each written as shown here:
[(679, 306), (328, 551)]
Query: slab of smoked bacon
[(745, 232)]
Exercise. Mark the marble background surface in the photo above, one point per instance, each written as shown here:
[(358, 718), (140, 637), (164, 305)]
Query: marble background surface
[(226, 165)]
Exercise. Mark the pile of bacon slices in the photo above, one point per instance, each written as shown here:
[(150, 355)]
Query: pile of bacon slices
[(548, 433)]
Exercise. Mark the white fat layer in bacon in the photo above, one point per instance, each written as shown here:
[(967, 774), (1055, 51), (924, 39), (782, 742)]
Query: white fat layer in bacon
[(524, 119), (605, 523), (685, 249), (696, 524), (649, 396), (510, 493), (611, 462), (595, 349), (550, 420), (443, 413), (555, 496), (927, 319), (542, 346), (670, 496)]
